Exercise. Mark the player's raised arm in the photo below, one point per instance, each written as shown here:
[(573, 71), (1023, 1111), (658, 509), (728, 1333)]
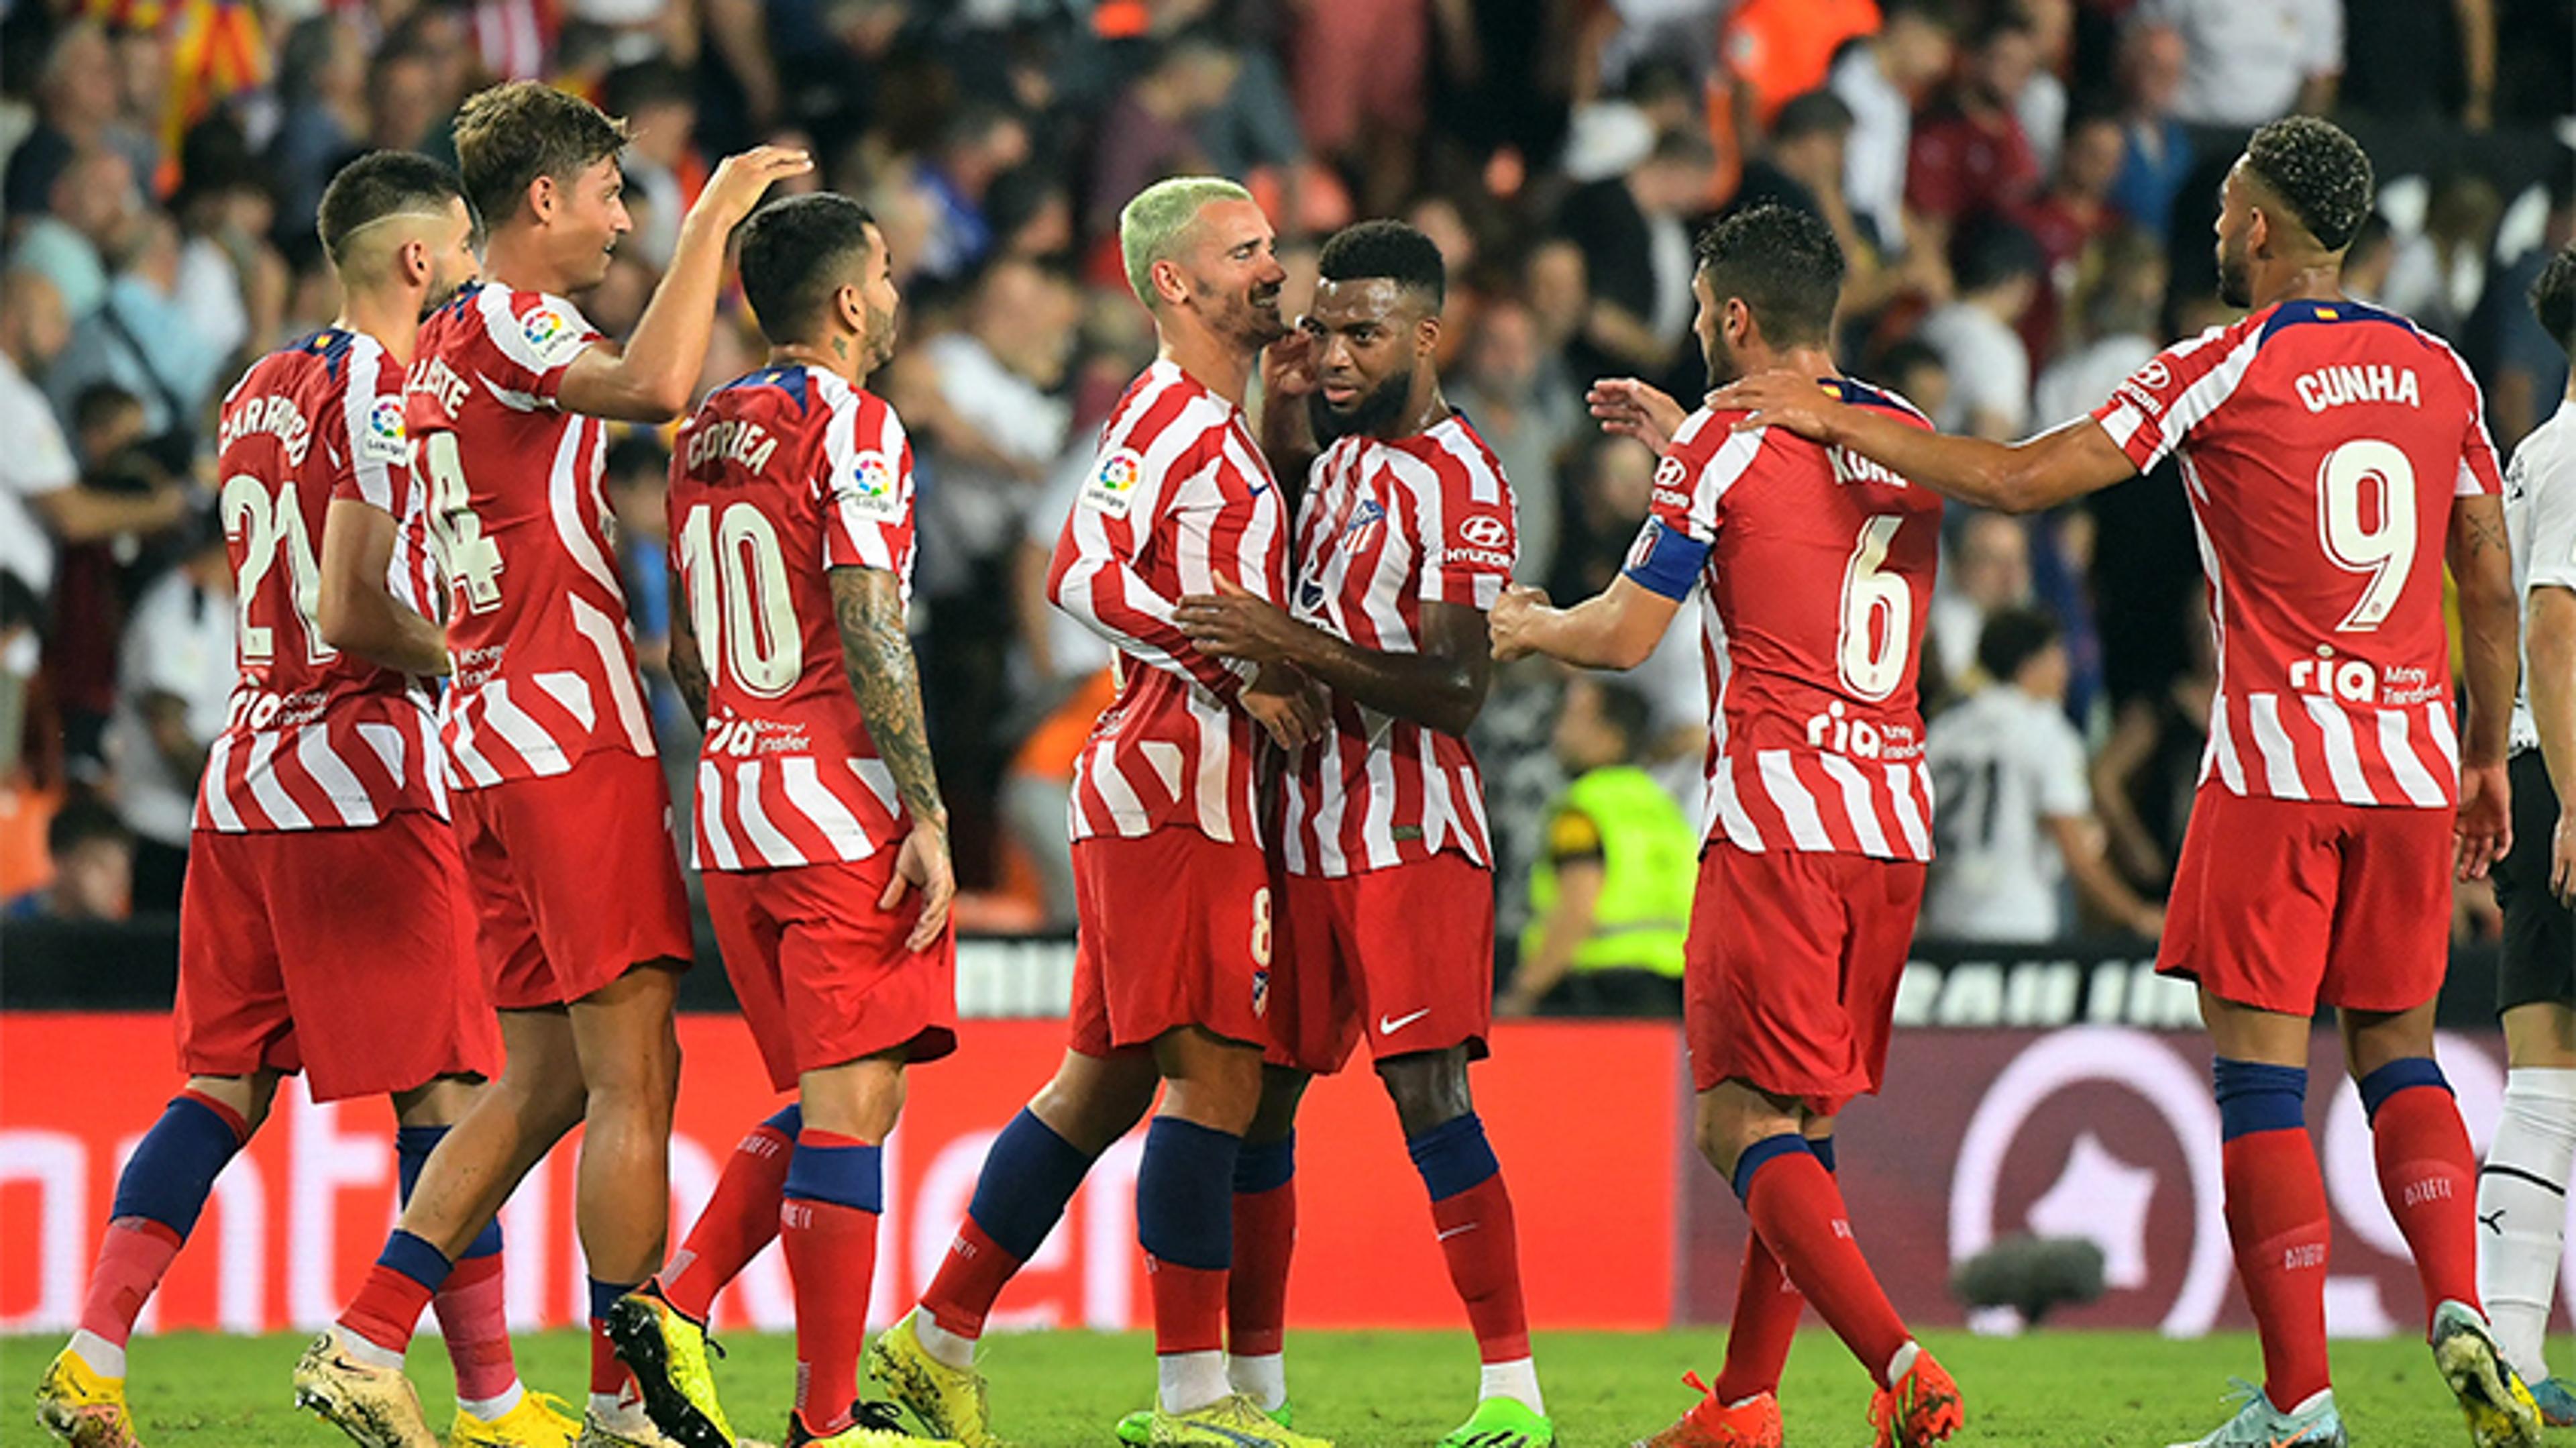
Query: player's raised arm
[(358, 613), (2020, 477), (649, 381)]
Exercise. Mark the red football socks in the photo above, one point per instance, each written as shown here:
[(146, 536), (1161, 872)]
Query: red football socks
[(1767, 1309), (1189, 1307), (2429, 1175), (1265, 1239), (1478, 1237), (831, 1257), (970, 1277), (131, 1261), (1798, 1212), (387, 1309), (741, 1218), (2276, 1216), (474, 1317)]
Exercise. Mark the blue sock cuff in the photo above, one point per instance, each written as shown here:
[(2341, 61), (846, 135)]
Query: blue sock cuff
[(1028, 1176), (175, 1165), (412, 1146), (604, 1295), (1453, 1157), (787, 1120), (1822, 1147), (2257, 1096), (414, 1258), (2396, 1076), (845, 1176), (1265, 1167), (1761, 1154), (1185, 1194)]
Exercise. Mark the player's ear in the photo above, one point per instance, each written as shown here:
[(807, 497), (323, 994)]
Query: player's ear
[(1426, 336), (542, 196), (1169, 284)]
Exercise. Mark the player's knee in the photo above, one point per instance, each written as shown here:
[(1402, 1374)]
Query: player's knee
[(1282, 1089), (1428, 1090)]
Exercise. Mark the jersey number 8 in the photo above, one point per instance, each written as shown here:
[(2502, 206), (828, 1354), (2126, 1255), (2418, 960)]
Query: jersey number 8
[(739, 599)]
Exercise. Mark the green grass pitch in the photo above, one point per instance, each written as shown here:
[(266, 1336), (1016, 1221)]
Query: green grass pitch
[(1373, 1390)]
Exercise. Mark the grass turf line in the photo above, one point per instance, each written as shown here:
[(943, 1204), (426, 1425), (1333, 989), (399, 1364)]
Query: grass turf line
[(1367, 1390)]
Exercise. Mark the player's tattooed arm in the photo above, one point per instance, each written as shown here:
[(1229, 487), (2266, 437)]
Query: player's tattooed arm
[(2481, 561), (867, 605), (688, 667)]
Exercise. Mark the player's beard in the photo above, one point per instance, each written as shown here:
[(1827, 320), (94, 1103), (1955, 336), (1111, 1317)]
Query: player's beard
[(879, 341), (2235, 272), (442, 290), (1722, 366), (1251, 324), (1367, 413)]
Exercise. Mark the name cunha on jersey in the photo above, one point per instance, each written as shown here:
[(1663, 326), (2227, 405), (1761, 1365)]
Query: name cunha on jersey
[(2343, 385)]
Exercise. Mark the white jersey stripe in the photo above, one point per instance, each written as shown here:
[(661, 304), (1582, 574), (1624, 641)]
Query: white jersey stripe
[(2438, 714), (1902, 784), (525, 736), (272, 797), (219, 800), (2397, 743), (608, 636), (572, 691), (387, 742), (764, 835), (714, 843), (466, 748), (1789, 795), (801, 780), (329, 770), (2280, 760), (1858, 805), (2343, 758)]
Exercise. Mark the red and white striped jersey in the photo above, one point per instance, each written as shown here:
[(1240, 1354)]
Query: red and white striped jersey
[(536, 617), (781, 477), (1179, 497), (1385, 527), (315, 739), (1818, 567), (2321, 445)]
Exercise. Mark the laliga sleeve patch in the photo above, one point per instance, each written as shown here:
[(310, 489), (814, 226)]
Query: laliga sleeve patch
[(871, 489), (553, 336), (1111, 488), (384, 439)]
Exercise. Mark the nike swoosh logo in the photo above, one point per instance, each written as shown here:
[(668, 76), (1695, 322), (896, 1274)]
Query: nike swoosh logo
[(1454, 1231), (1389, 1025)]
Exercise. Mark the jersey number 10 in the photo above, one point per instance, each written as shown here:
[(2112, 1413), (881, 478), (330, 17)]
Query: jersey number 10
[(739, 599)]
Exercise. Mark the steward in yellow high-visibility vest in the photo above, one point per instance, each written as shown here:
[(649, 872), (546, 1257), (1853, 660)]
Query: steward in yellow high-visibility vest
[(1610, 894)]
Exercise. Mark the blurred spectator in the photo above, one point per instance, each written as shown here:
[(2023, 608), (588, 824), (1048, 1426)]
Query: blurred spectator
[(409, 101), (1801, 166), (78, 98), (94, 212), (1885, 80), (1359, 69), (2016, 817), (93, 860), (1520, 401), (1613, 481), (2068, 217), (982, 144), (322, 90), (992, 427), (2251, 61), (1610, 896), (2149, 768), (1637, 254), (2438, 275), (2042, 109), (2115, 306), (231, 283), (2367, 260), (1776, 49), (175, 681), (1988, 571), (2420, 60), (1914, 368), (663, 173), (638, 477), (143, 340), (1969, 155), (2155, 146), (2523, 368), (1151, 131), (1998, 267)]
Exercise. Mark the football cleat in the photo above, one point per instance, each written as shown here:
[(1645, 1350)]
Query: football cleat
[(1923, 1406), (375, 1406), (1502, 1423), (1136, 1430), (2258, 1424), (948, 1401), (627, 1425), (541, 1420), (2556, 1401), (1233, 1421), (872, 1425), (83, 1407), (1752, 1423), (668, 1355), (2499, 1408)]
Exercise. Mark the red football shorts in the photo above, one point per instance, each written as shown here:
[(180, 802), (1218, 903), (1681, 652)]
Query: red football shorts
[(1403, 955), (346, 954), (576, 880), (1790, 974), (1175, 931), (822, 973), (2285, 905)]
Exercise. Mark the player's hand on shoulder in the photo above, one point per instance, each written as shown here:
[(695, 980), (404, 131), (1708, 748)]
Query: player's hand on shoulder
[(743, 178), (2484, 831), (1627, 407), (1286, 704), (923, 864), (1509, 621), (1779, 399)]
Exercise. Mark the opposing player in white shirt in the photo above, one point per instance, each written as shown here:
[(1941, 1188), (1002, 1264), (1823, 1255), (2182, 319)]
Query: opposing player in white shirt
[(2016, 816), (2522, 1187)]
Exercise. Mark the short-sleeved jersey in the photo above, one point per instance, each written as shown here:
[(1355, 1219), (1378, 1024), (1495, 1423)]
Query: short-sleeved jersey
[(2540, 517), (1385, 527), (314, 738), (2321, 445), (2004, 763), (1179, 497), (536, 618), (781, 477), (1817, 567)]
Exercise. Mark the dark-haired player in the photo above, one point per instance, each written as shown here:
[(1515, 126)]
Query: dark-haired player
[(1818, 575), (546, 731), (818, 814), (1404, 538), (2522, 1189), (2334, 456), (326, 926)]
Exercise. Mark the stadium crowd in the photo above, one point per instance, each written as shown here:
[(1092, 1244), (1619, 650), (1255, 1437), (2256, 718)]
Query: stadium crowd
[(2023, 188)]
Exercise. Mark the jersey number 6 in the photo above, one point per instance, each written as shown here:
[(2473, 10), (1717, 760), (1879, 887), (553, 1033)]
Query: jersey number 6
[(1877, 628)]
